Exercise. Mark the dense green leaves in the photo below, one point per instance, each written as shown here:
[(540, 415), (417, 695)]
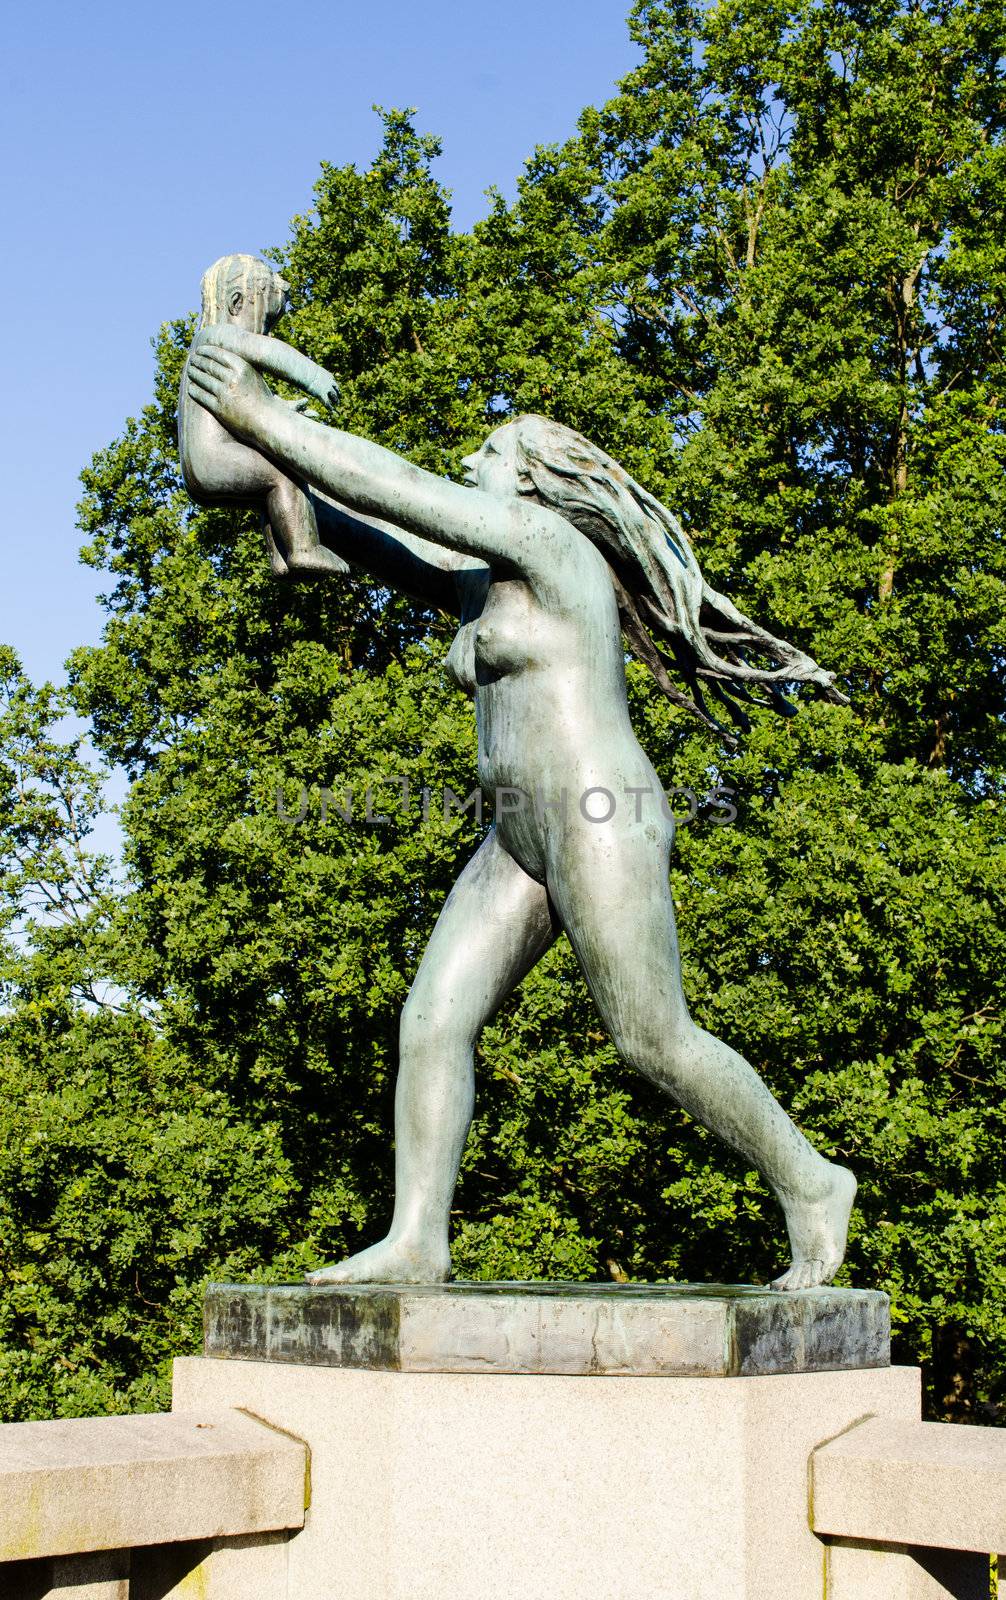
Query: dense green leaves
[(769, 276)]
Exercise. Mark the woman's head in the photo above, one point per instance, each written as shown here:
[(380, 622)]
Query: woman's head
[(662, 596), (545, 461), (245, 290), (494, 467)]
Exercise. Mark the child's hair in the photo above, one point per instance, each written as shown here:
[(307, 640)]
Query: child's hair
[(230, 272)]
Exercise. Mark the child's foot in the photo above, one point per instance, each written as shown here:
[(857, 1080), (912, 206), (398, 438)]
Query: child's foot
[(277, 566), (314, 560), (817, 1231)]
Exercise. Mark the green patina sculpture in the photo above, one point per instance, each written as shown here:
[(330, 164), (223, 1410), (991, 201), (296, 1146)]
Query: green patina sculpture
[(242, 299), (548, 553)]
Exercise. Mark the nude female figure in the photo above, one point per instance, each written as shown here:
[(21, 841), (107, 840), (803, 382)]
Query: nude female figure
[(551, 550)]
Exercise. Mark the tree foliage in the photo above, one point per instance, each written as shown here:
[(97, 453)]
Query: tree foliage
[(768, 276)]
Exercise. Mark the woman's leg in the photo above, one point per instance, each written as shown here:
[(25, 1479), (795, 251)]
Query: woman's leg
[(613, 896), (495, 925)]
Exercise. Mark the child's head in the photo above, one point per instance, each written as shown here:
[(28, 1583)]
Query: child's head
[(244, 290)]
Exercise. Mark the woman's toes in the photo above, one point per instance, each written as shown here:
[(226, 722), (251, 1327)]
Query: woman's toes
[(806, 1274)]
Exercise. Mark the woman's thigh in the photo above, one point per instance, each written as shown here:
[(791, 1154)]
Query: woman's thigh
[(612, 891), (495, 925)]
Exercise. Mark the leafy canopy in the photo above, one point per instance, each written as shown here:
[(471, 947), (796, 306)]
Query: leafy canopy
[(769, 277)]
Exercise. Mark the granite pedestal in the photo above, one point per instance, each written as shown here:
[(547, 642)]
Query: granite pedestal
[(655, 1443)]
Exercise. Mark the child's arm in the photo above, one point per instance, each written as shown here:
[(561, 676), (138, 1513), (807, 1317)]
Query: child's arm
[(281, 360)]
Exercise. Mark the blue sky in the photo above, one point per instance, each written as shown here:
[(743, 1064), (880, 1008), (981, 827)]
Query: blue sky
[(143, 141)]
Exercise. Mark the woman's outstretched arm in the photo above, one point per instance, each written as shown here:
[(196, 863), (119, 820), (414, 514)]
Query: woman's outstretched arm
[(430, 573), (375, 482)]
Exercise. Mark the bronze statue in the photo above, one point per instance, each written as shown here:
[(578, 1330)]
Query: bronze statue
[(548, 552), (242, 299)]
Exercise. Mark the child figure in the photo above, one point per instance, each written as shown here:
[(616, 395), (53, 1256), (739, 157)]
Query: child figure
[(242, 299)]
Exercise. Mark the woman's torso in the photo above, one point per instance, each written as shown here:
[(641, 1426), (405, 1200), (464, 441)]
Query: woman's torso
[(548, 679)]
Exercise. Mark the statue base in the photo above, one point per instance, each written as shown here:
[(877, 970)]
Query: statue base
[(572, 1329), (552, 1441)]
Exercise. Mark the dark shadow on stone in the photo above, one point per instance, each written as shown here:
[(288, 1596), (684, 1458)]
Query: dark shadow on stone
[(963, 1574), (158, 1569), (26, 1580), (34, 1580)]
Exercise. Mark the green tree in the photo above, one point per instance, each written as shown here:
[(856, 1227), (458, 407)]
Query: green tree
[(122, 1177), (768, 276)]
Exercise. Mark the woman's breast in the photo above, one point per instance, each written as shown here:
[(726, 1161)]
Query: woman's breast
[(497, 642), (460, 661), (502, 646)]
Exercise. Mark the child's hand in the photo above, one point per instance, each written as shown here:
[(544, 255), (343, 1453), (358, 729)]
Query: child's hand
[(327, 392)]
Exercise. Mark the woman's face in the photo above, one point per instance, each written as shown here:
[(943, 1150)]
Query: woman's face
[(494, 468)]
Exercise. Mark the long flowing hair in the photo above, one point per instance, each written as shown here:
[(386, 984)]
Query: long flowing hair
[(670, 615)]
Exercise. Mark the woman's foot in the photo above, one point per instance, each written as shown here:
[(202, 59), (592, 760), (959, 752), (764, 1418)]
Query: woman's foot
[(817, 1231), (391, 1261)]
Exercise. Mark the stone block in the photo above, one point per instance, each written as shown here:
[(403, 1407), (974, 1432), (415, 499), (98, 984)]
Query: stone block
[(71, 1487), (654, 1330), (895, 1481), (483, 1486)]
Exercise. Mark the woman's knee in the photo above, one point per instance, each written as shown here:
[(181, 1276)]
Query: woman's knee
[(658, 1043), (431, 1025)]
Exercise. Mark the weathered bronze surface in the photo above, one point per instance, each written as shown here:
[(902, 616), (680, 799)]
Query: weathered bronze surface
[(547, 554), (670, 1330)]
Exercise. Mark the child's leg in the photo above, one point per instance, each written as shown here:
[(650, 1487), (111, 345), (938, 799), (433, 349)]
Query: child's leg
[(218, 467), (293, 526)]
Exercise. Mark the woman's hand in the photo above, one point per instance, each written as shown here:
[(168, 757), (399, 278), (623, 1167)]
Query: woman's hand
[(229, 389)]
